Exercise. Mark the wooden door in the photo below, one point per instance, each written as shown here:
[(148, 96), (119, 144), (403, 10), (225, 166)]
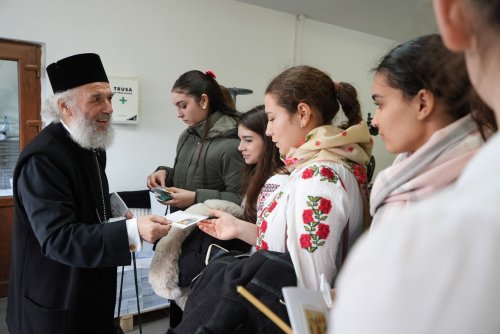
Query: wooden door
[(25, 57)]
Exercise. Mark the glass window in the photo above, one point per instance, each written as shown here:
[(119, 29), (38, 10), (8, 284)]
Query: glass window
[(9, 124)]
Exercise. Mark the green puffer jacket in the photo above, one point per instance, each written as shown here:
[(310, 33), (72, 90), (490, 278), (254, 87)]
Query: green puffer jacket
[(212, 166)]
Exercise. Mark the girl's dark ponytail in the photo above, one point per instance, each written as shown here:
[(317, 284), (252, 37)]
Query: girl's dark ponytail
[(348, 99)]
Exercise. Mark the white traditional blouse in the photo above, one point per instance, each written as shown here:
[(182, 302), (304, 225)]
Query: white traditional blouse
[(272, 184), (306, 216)]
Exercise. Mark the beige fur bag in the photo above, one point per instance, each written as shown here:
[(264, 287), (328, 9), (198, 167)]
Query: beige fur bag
[(164, 270)]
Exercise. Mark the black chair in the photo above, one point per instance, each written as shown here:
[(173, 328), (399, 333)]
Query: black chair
[(136, 199)]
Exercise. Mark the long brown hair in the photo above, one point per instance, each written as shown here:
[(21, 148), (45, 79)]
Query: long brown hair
[(255, 175)]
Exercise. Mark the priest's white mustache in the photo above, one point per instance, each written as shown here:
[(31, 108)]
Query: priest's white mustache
[(104, 118)]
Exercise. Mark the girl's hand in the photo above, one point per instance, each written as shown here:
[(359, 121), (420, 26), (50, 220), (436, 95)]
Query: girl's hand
[(157, 179), (223, 227), (181, 198)]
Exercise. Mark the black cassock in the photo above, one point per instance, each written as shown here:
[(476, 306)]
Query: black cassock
[(63, 265)]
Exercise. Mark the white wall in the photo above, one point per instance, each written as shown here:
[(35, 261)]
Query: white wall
[(349, 56), (157, 40)]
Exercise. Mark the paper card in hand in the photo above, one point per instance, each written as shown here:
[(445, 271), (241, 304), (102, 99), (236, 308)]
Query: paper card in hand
[(162, 193), (182, 219)]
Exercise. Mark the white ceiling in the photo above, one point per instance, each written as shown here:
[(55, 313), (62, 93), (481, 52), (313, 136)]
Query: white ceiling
[(395, 19)]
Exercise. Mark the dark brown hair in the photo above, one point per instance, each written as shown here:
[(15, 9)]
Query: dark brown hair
[(305, 84), (489, 11), (197, 83), (255, 175), (228, 97), (425, 63), (486, 26)]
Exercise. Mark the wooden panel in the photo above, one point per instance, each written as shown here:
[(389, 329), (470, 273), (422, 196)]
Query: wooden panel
[(6, 218)]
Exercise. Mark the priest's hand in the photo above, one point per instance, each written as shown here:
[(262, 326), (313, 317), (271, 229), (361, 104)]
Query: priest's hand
[(129, 214), (152, 228)]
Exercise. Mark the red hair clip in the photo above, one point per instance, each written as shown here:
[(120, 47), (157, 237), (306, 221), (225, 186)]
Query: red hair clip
[(210, 74), (336, 85)]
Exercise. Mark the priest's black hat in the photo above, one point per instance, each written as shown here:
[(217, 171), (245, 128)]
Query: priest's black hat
[(76, 71)]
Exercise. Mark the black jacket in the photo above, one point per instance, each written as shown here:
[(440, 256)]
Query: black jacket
[(214, 306)]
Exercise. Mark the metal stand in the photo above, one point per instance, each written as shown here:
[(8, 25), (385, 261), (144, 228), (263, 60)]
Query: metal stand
[(234, 91)]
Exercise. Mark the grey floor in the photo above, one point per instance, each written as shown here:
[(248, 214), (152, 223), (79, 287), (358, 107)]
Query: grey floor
[(155, 322)]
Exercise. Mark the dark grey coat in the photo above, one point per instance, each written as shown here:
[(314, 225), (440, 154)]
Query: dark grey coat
[(211, 167)]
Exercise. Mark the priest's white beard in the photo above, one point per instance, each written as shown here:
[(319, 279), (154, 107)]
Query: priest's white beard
[(85, 133)]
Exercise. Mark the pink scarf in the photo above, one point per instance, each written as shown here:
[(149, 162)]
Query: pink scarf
[(433, 166)]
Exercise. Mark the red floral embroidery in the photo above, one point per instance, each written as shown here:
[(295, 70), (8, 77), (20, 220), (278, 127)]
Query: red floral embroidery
[(262, 222), (323, 231), (360, 173), (350, 148), (307, 216), (317, 232), (305, 241), (308, 173), (344, 133), (273, 205), (317, 143), (327, 172), (263, 226), (358, 170), (325, 205)]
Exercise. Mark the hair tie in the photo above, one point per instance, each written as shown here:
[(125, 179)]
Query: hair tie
[(337, 85), (210, 74)]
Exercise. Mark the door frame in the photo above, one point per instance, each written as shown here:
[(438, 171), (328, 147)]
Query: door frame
[(28, 58)]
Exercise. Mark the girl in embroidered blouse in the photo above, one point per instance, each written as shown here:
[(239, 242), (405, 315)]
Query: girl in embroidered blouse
[(263, 172), (428, 113), (327, 182)]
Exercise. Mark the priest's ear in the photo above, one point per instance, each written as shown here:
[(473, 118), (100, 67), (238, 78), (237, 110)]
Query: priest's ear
[(64, 108)]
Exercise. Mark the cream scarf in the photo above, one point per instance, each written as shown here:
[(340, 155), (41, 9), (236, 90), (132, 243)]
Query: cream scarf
[(348, 147), (351, 148)]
